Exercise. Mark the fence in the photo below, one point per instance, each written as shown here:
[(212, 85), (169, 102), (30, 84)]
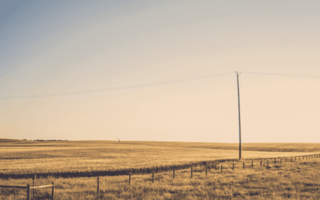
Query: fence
[(28, 188), (222, 168), (208, 166)]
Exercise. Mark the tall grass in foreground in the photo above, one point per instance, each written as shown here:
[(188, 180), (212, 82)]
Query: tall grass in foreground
[(288, 180)]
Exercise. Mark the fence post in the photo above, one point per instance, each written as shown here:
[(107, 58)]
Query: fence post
[(52, 190), (191, 171), (174, 172), (233, 167), (243, 165), (98, 187), (267, 163), (34, 178), (28, 192), (129, 178), (14, 192), (152, 177), (260, 163), (275, 161)]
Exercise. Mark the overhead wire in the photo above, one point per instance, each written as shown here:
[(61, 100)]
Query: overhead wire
[(155, 84), (121, 87), (276, 74)]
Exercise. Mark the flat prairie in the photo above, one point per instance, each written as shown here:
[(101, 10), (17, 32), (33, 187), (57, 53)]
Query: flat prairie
[(33, 157), (295, 177)]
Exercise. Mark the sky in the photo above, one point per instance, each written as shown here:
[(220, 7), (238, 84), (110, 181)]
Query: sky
[(160, 70)]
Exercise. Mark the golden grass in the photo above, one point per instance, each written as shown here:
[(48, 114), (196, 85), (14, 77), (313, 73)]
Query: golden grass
[(288, 180), (30, 157)]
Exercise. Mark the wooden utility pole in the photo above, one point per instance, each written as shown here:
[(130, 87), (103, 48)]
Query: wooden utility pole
[(238, 73)]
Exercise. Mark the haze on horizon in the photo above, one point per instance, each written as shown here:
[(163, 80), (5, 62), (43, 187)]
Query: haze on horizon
[(143, 59)]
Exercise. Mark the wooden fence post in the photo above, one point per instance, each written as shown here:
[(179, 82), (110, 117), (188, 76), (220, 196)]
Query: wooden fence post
[(152, 177), (233, 167), (191, 171), (260, 163), (243, 165), (52, 190), (98, 187), (267, 163), (34, 178), (174, 172), (275, 161), (129, 178), (28, 192), (14, 192)]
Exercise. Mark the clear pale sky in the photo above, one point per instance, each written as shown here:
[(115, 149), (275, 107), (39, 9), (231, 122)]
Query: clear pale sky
[(143, 70)]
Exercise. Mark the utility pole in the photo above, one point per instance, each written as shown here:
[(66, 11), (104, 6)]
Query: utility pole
[(238, 73)]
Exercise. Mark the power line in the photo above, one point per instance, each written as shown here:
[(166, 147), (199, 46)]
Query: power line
[(122, 87), (275, 74), (155, 84)]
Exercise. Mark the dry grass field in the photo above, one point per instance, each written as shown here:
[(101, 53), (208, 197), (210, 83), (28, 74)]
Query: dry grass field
[(291, 180), (287, 180), (31, 157)]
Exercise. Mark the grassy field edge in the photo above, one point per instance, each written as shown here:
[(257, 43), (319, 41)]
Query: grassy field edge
[(146, 170)]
